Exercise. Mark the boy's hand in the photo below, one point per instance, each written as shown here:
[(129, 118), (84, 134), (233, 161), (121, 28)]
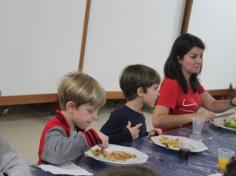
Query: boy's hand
[(155, 131), (104, 140), (134, 131)]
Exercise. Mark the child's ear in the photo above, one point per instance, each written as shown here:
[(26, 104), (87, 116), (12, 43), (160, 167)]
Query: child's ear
[(70, 106), (140, 91)]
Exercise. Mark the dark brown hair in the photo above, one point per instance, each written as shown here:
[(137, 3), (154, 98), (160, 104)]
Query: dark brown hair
[(134, 170), (172, 69), (231, 168), (135, 76)]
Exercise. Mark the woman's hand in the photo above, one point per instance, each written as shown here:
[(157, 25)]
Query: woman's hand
[(206, 115)]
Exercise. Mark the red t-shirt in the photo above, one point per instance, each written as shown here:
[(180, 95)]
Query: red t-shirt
[(173, 97)]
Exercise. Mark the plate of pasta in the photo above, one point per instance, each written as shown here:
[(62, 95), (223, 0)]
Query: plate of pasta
[(116, 154), (177, 142)]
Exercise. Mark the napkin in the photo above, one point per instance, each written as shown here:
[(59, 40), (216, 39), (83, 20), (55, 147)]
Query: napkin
[(68, 168)]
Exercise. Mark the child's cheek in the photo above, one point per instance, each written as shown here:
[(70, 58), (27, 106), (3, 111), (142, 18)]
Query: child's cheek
[(80, 124)]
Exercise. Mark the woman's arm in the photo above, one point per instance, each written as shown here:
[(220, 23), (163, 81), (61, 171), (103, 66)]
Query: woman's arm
[(214, 105), (162, 119)]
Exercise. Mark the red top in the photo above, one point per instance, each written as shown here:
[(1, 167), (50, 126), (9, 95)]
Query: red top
[(173, 97), (59, 120)]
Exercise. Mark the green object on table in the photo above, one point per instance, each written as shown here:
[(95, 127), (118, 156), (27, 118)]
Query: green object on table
[(231, 123)]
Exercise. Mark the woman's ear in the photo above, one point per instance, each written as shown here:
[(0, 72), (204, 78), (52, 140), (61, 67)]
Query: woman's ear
[(140, 91), (179, 59)]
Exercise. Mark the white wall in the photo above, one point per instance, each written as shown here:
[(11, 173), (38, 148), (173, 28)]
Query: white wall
[(39, 42), (123, 32), (215, 23)]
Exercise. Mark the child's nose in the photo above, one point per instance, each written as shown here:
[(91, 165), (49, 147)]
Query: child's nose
[(95, 116)]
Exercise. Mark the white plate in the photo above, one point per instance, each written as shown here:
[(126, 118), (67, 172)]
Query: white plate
[(219, 122), (216, 174), (192, 145), (141, 157)]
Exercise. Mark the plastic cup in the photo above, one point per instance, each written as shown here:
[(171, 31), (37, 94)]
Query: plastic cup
[(198, 124), (224, 156)]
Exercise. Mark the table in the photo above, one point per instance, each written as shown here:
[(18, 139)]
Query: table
[(166, 161)]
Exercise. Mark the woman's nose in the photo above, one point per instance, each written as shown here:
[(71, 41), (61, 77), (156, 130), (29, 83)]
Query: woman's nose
[(199, 60)]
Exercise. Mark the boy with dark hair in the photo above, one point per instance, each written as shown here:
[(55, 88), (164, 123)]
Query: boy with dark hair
[(139, 84), (231, 168), (133, 170)]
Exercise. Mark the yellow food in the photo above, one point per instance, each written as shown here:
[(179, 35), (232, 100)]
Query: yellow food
[(222, 163), (113, 155), (170, 142)]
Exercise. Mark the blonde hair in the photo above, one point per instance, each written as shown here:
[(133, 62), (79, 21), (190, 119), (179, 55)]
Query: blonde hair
[(81, 89)]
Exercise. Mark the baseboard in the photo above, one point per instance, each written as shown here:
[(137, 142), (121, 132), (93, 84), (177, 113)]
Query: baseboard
[(28, 99), (45, 98), (111, 95)]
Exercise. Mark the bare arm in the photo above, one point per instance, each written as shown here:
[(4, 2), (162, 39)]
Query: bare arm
[(162, 119), (214, 105)]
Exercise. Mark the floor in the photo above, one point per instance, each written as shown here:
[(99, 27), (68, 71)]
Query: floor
[(21, 125)]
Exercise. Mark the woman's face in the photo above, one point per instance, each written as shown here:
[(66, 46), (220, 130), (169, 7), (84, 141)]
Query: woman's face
[(192, 62)]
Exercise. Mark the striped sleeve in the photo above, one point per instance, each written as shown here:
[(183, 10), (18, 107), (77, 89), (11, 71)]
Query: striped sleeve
[(92, 137)]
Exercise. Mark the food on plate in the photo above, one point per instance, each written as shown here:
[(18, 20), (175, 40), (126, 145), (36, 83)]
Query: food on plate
[(230, 123), (170, 142), (179, 142), (114, 155)]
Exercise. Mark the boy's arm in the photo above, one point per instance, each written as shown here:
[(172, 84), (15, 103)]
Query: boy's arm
[(120, 137), (11, 163), (58, 148), (116, 129)]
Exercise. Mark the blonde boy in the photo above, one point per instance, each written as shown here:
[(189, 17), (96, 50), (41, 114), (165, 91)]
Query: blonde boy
[(65, 137)]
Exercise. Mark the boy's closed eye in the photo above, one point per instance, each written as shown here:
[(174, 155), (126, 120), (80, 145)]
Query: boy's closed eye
[(90, 110)]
